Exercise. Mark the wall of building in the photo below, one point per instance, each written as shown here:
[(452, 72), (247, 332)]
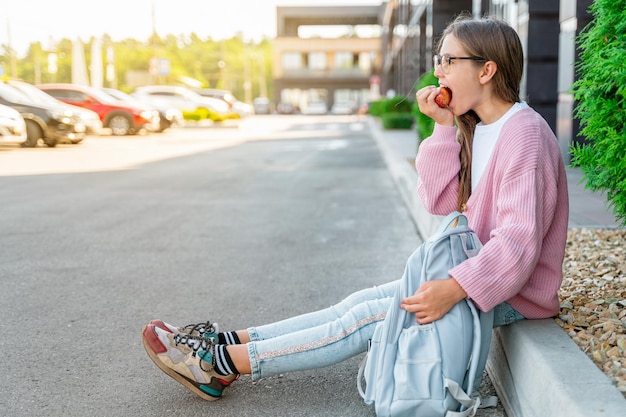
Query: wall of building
[(323, 69), (574, 16)]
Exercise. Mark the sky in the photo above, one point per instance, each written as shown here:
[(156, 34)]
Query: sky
[(25, 21)]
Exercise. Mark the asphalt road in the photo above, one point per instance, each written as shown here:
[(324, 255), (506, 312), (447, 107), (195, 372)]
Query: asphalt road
[(243, 226)]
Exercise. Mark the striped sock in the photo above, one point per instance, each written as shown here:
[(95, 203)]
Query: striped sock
[(223, 363), (228, 338)]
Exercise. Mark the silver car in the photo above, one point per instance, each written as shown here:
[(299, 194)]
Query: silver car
[(12, 126)]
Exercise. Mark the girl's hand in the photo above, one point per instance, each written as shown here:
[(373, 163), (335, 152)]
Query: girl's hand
[(433, 300), (426, 102)]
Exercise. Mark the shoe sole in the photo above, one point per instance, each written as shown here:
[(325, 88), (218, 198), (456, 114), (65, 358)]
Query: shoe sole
[(192, 386)]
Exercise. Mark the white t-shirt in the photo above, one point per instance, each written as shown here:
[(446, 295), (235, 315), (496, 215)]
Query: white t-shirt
[(485, 138)]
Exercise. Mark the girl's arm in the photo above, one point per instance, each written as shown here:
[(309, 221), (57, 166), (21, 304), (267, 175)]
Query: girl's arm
[(438, 164)]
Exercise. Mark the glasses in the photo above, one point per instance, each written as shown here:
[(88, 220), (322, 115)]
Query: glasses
[(446, 60)]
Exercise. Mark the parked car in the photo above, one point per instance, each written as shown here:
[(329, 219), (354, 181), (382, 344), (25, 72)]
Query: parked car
[(315, 107), (50, 123), (286, 108), (91, 120), (262, 105), (121, 118), (236, 107), (12, 126), (343, 107), (181, 98), (168, 116)]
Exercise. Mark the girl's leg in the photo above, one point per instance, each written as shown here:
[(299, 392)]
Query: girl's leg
[(319, 346), (292, 324), (324, 338), (314, 340), (316, 318), (504, 315)]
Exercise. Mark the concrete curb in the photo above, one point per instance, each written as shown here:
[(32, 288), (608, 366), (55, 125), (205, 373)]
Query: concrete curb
[(537, 369)]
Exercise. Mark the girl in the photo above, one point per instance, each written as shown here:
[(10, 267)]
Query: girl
[(490, 156)]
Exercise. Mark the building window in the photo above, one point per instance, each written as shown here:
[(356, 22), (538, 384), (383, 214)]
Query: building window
[(344, 60), (366, 61), (292, 60), (317, 60)]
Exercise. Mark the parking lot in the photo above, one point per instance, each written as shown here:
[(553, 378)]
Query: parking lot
[(107, 152), (104, 153)]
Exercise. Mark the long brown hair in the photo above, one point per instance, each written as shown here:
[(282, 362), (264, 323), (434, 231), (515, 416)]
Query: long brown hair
[(496, 41)]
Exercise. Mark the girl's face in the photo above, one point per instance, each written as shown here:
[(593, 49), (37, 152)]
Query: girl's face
[(462, 78)]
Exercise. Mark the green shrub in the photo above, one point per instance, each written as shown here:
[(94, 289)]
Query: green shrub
[(193, 116), (397, 104), (214, 116), (425, 124), (376, 108), (397, 120), (202, 114), (600, 92)]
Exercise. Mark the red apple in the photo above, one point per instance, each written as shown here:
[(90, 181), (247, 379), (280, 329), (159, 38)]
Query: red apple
[(443, 98)]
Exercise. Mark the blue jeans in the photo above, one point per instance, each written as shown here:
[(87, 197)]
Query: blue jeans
[(329, 336)]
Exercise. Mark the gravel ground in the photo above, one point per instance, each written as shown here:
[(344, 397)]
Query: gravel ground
[(593, 298)]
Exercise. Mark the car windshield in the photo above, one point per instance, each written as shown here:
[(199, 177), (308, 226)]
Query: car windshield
[(101, 96), (11, 94), (120, 95), (34, 93)]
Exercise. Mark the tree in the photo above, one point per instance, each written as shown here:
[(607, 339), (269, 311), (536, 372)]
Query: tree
[(228, 63), (600, 92)]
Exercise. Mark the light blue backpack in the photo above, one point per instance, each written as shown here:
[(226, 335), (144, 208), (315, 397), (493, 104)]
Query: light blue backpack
[(427, 370)]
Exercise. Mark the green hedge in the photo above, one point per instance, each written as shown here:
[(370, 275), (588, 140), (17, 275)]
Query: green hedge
[(395, 112), (425, 124), (376, 108), (600, 93), (202, 114), (397, 120)]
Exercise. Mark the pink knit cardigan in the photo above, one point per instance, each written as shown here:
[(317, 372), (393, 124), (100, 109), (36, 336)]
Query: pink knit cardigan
[(519, 209)]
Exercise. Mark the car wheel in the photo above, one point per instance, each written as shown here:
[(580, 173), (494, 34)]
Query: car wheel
[(120, 125), (51, 143), (33, 134), (163, 124)]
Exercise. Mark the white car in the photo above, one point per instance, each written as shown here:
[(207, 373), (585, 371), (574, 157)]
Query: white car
[(261, 105), (237, 107), (12, 126), (315, 107), (343, 107), (180, 98)]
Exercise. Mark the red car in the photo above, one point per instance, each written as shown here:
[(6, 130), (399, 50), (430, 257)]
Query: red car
[(122, 118)]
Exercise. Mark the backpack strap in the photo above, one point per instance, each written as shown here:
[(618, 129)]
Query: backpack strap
[(451, 220), (470, 405), (360, 377), (476, 347)]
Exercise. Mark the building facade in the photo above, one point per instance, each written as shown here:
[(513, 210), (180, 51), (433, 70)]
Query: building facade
[(320, 70)]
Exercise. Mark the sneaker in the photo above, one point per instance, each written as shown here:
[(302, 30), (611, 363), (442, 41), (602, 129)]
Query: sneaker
[(208, 329), (186, 358)]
